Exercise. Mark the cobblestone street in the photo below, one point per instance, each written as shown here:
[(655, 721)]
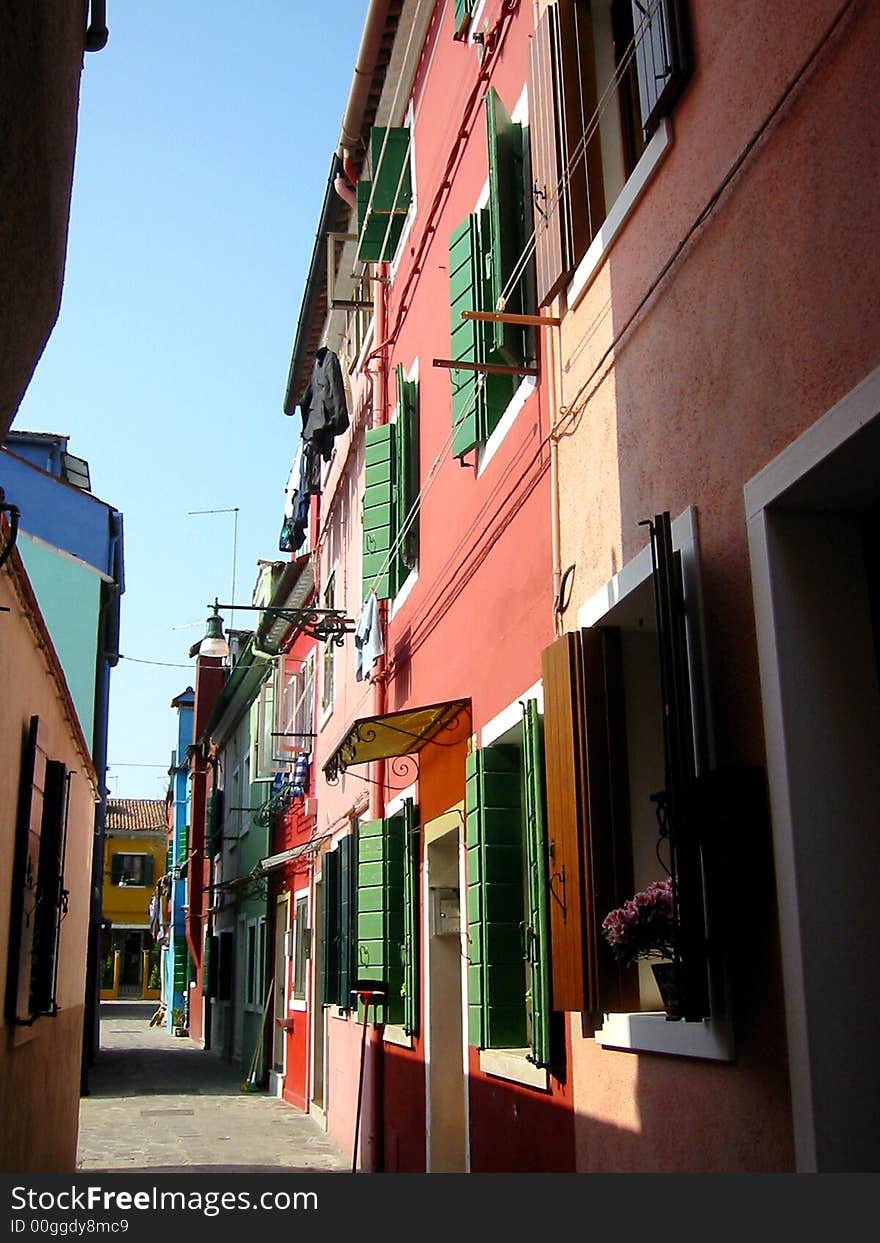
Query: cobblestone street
[(158, 1103)]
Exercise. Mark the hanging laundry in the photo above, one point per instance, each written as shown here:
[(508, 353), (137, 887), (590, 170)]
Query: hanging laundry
[(300, 778), (323, 404), (367, 638)]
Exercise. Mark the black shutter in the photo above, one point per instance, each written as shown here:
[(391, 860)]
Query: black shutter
[(679, 794), (660, 56), (51, 896)]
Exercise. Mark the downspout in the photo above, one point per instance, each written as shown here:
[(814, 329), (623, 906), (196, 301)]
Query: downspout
[(554, 372), (364, 67), (380, 699)]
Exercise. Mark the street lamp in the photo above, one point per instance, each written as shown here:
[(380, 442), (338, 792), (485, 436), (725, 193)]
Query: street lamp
[(325, 625)]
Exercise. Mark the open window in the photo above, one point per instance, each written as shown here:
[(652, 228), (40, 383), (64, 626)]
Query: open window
[(488, 273), (602, 75), (295, 708), (626, 739), (508, 945), (391, 518)]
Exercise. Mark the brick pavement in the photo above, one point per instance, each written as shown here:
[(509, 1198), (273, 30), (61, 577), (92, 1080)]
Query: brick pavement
[(160, 1104)]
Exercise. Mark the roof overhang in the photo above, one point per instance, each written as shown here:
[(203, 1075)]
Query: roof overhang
[(396, 734)]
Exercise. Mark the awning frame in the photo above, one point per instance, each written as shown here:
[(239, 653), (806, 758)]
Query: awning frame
[(363, 741)]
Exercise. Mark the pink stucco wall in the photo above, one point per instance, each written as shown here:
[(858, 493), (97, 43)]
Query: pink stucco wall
[(40, 1065), (766, 318)]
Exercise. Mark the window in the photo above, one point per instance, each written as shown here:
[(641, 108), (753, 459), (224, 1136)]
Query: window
[(461, 18), (255, 964), (300, 947), (487, 272), (328, 684), (265, 764), (339, 923), (391, 520), (295, 718), (624, 740), (131, 870), (38, 898), (384, 198), (387, 949), (602, 74), (508, 952)]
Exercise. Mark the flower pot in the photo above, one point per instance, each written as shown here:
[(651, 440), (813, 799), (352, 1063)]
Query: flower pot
[(667, 985)]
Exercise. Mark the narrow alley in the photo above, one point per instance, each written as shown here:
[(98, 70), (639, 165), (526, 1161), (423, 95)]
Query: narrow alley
[(161, 1104)]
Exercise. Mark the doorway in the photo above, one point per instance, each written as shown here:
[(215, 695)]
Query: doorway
[(814, 523), (444, 1008)]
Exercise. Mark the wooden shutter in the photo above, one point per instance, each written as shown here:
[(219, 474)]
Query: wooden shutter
[(538, 929), (407, 473), (391, 169), (25, 870), (660, 57), (51, 895), (464, 278), (410, 920), (209, 969), (589, 844), (378, 510), (680, 792), (461, 17), (380, 931), (549, 196), (330, 929), (493, 827), (214, 822), (345, 923), (504, 243)]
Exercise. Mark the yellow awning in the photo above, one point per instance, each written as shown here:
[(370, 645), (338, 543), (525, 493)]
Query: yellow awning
[(395, 734)]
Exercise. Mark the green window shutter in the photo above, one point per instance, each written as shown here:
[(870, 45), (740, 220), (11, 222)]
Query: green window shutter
[(504, 243), (496, 972), (391, 191), (380, 931), (464, 295), (537, 932), (345, 938), (497, 390), (214, 822), (181, 966), (462, 17), (410, 921), (391, 170), (379, 517), (406, 474), (378, 224), (329, 929)]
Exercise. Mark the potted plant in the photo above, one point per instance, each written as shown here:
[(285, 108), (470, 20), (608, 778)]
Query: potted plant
[(644, 927)]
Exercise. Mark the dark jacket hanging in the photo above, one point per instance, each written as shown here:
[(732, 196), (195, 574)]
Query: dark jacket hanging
[(323, 405)]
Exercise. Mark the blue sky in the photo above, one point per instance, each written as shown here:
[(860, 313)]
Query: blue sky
[(205, 137)]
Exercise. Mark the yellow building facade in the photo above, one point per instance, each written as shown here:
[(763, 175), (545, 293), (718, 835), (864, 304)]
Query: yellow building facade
[(135, 852)]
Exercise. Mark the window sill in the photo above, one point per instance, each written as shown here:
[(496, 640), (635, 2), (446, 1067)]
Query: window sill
[(622, 208), (711, 1040), (396, 1035), (403, 595), (298, 1005), (512, 1064)]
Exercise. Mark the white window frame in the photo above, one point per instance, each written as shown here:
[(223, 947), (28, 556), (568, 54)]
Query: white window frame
[(301, 935)]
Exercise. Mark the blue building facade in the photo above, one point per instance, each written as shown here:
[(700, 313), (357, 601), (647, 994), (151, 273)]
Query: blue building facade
[(176, 960)]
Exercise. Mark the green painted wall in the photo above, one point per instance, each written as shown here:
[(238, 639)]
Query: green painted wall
[(69, 597)]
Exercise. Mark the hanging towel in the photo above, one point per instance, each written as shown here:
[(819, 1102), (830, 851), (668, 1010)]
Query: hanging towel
[(367, 638), (300, 779)]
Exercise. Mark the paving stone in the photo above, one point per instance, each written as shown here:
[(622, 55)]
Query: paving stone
[(159, 1103)]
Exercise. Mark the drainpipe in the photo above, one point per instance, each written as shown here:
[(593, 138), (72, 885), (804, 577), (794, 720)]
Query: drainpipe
[(371, 39), (554, 371), (377, 788)]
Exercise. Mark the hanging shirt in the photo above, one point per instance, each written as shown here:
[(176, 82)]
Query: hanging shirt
[(367, 638)]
